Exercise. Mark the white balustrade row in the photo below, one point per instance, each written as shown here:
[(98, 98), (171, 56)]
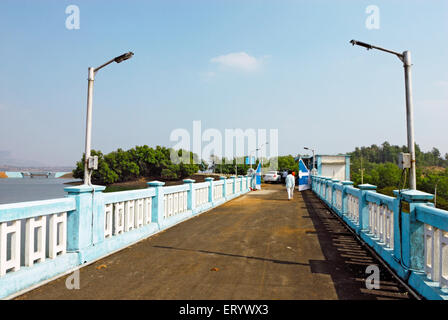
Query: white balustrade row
[(436, 255), (201, 196), (124, 216), (353, 208), (175, 203), (381, 223), (217, 192), (36, 241)]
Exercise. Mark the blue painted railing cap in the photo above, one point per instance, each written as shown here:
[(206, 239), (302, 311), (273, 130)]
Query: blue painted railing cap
[(367, 186), (414, 195), (240, 176), (335, 180), (209, 179), (155, 183), (222, 178), (84, 188), (189, 181), (347, 183), (232, 177)]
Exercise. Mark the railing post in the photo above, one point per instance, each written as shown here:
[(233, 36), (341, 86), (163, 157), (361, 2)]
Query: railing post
[(224, 187), (327, 186), (241, 184), (158, 206), (323, 187), (210, 189), (333, 191), (191, 194), (233, 184), (412, 230), (345, 185), (364, 206), (319, 186), (85, 225)]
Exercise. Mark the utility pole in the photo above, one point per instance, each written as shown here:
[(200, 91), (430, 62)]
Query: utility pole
[(362, 172), (435, 194)]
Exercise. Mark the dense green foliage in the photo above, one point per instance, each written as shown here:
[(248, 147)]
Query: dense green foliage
[(141, 161), (379, 164)]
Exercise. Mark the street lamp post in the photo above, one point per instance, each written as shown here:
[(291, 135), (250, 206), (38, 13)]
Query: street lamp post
[(256, 154), (91, 78), (405, 57), (262, 154)]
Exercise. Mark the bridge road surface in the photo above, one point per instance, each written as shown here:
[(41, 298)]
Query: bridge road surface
[(257, 246)]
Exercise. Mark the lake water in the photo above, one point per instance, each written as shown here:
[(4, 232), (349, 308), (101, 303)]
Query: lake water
[(26, 189)]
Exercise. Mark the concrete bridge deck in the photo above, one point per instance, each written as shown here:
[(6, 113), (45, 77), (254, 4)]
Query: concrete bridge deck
[(258, 246)]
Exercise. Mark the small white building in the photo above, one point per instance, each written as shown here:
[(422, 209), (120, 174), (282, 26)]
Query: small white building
[(335, 167)]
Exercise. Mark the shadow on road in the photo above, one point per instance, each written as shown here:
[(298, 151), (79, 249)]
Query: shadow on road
[(234, 255), (346, 259)]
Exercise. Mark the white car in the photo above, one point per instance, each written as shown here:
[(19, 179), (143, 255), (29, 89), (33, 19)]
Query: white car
[(272, 176)]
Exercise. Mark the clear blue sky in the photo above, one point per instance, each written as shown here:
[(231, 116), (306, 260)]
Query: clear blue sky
[(231, 64)]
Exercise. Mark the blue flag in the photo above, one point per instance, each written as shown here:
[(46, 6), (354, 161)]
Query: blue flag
[(258, 177), (304, 176)]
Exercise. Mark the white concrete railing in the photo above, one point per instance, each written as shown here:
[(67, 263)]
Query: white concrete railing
[(413, 243), (53, 236), (244, 183), (201, 194), (381, 223), (237, 185), (338, 199), (29, 235), (175, 201), (353, 208), (229, 187), (436, 255), (329, 194), (218, 190), (126, 210)]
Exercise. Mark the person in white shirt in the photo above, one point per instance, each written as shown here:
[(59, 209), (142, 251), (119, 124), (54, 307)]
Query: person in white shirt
[(290, 184)]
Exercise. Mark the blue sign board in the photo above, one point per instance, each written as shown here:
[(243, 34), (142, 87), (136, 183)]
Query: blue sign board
[(250, 160)]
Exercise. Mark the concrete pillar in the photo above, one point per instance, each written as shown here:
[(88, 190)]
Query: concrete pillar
[(191, 194), (412, 231), (158, 207), (85, 225), (210, 190), (224, 187), (333, 197)]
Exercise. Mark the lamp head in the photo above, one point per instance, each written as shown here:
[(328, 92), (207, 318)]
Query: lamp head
[(361, 44), (123, 57)]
